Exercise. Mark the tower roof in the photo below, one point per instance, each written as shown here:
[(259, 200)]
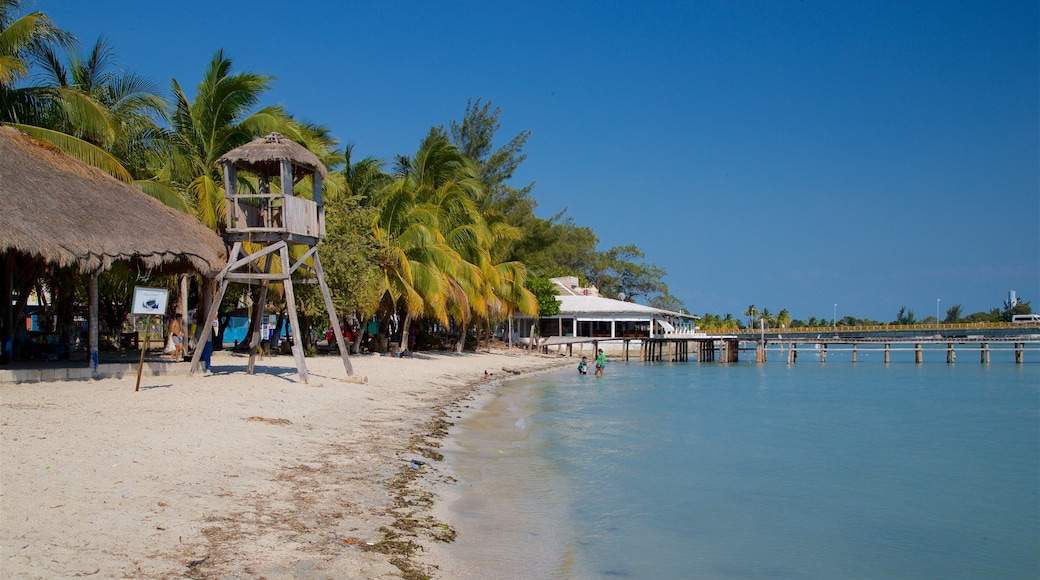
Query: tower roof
[(263, 155)]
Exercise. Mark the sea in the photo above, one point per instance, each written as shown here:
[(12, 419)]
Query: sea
[(745, 470)]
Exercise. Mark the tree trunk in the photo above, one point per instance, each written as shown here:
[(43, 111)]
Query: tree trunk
[(404, 333), (463, 328)]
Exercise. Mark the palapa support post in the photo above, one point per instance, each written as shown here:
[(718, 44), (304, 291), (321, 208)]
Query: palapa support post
[(92, 324)]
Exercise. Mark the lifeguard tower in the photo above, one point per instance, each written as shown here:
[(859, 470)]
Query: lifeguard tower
[(274, 234)]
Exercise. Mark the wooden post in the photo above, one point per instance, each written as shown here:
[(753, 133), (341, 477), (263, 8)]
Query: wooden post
[(256, 322), (183, 307), (984, 353), (92, 323), (333, 317), (853, 353), (887, 353), (207, 329), (951, 356), (1018, 352), (294, 320), (7, 348), (823, 353), (144, 347), (918, 355)]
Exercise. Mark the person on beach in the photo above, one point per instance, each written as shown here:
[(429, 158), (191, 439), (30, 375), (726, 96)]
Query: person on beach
[(601, 361), (177, 336), (583, 366)]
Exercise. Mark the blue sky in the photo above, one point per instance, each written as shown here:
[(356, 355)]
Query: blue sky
[(795, 155)]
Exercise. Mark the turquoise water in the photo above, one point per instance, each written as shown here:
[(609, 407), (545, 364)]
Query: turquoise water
[(752, 471)]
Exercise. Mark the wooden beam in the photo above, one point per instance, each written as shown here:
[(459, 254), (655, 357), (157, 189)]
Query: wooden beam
[(207, 328), (294, 321), (333, 317)]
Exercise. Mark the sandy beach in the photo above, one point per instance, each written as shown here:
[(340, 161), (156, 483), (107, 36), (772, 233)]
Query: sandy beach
[(230, 475)]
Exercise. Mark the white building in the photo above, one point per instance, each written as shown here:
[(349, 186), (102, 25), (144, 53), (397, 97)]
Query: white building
[(586, 314)]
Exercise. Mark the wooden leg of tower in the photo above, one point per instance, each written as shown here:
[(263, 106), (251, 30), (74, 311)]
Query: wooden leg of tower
[(333, 317), (255, 324), (290, 302), (258, 316), (207, 326)]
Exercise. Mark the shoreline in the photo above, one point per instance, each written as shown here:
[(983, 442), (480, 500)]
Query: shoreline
[(236, 475)]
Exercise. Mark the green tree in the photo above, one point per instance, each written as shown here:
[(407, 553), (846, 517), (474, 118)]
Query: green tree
[(617, 273), (751, 312), (474, 137), (348, 257), (953, 314), (666, 302), (905, 317), (1022, 307), (544, 291), (554, 247)]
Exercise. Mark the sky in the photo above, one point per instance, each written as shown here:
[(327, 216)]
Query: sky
[(828, 158)]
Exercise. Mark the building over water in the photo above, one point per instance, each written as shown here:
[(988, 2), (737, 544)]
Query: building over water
[(584, 313)]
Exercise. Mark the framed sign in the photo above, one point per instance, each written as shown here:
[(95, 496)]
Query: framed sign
[(149, 300)]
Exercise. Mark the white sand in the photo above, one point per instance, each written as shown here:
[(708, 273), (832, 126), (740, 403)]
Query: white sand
[(230, 475)]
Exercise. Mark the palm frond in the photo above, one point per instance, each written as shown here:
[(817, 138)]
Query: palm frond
[(86, 152), (167, 194)]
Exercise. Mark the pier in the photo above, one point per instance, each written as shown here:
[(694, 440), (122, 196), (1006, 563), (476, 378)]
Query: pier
[(944, 341)]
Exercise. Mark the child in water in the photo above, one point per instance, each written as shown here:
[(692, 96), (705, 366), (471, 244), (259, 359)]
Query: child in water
[(601, 361), (583, 366)]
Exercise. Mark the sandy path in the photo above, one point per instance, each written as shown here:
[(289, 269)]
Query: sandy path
[(230, 475)]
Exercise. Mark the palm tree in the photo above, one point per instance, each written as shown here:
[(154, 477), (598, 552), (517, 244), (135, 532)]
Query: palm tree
[(767, 316), (220, 118), (132, 105), (437, 245), (413, 255), (750, 313), (60, 115), (363, 179)]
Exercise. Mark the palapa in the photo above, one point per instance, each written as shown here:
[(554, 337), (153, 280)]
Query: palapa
[(65, 212)]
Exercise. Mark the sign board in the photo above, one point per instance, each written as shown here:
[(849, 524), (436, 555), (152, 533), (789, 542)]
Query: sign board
[(151, 301)]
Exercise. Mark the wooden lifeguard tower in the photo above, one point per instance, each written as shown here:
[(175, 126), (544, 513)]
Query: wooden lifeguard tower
[(268, 222)]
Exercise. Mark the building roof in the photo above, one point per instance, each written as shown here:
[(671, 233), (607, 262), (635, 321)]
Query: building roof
[(65, 212), (608, 306)]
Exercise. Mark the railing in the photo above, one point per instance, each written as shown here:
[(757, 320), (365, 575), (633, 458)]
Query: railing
[(301, 217), (274, 212)]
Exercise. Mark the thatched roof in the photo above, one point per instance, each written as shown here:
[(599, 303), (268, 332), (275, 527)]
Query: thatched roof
[(262, 156), (59, 209)]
